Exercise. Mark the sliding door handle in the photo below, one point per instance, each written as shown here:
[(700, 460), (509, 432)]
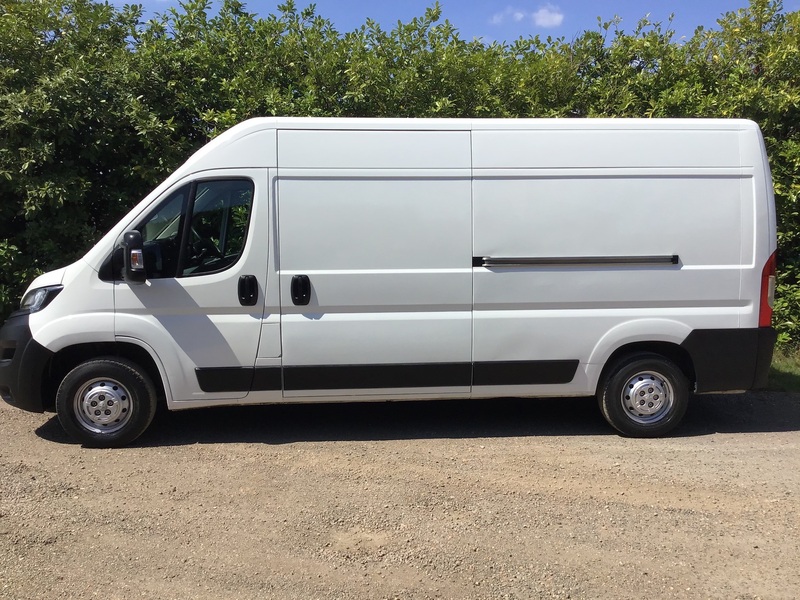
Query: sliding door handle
[(301, 290)]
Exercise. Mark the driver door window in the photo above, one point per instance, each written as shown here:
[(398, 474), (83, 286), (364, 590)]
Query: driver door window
[(210, 241)]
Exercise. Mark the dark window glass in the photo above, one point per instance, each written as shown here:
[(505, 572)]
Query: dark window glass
[(217, 229), (161, 235), (220, 216)]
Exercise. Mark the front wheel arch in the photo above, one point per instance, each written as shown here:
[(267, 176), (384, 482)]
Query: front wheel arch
[(66, 359)]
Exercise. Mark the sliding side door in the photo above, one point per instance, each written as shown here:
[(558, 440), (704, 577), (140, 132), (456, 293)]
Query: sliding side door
[(375, 262)]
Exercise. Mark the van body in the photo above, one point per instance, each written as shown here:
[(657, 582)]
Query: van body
[(319, 260)]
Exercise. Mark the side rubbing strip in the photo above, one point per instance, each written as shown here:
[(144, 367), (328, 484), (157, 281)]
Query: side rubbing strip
[(524, 372), (354, 377), (343, 377), (224, 379), (557, 261), (267, 379), (239, 379)]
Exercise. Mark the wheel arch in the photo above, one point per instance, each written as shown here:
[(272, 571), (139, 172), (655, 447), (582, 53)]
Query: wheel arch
[(69, 357), (669, 350), (657, 335)]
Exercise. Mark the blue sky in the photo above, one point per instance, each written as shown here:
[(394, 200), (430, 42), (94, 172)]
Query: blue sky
[(503, 20)]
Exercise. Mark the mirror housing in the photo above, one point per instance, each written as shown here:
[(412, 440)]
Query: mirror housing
[(133, 271)]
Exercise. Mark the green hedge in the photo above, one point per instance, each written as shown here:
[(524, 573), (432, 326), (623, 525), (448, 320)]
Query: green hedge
[(97, 105)]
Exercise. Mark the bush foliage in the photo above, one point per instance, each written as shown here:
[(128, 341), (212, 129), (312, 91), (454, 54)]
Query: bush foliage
[(98, 105)]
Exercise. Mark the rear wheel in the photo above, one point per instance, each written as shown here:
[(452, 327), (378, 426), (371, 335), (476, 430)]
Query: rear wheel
[(106, 403), (644, 395)]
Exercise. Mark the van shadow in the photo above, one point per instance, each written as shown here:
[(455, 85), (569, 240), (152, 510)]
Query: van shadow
[(375, 421), (450, 419)]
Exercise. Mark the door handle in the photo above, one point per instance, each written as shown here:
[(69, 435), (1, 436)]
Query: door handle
[(301, 290), (248, 290)]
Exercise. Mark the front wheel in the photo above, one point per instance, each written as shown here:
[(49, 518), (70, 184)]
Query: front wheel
[(106, 402), (645, 395)]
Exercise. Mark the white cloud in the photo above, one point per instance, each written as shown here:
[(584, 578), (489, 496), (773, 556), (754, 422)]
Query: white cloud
[(546, 16), (499, 18), (510, 12)]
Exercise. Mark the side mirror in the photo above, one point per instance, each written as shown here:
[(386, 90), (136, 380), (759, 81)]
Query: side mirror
[(132, 245)]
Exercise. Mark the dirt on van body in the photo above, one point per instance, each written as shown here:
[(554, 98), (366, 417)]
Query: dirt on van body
[(479, 499)]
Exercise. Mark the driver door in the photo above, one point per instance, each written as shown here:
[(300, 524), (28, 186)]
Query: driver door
[(200, 309)]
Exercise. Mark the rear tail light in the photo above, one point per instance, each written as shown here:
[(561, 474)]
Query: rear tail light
[(767, 292)]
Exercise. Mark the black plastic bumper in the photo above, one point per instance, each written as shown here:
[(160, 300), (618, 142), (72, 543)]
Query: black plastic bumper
[(23, 362), (730, 359)]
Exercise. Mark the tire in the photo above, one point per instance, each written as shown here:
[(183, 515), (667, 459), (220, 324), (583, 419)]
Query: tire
[(106, 402), (644, 395)]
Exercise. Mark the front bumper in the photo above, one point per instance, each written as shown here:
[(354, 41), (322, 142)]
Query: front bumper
[(23, 364)]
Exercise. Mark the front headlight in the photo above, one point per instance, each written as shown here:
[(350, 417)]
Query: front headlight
[(39, 298)]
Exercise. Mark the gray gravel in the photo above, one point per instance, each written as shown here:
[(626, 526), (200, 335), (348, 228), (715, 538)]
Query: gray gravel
[(492, 499)]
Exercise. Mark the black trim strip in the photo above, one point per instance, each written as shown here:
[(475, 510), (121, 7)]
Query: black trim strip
[(354, 377), (524, 261), (267, 379), (239, 379), (224, 379), (524, 372)]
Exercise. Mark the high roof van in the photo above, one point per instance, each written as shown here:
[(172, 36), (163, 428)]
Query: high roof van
[(327, 260)]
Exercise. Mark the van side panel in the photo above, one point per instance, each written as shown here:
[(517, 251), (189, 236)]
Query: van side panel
[(373, 149), (614, 212), (379, 223), (598, 144), (610, 228)]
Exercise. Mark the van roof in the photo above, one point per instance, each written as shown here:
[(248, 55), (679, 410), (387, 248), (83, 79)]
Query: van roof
[(427, 124)]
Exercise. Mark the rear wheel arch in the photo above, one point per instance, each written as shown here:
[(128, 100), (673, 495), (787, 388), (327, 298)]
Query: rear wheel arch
[(672, 352)]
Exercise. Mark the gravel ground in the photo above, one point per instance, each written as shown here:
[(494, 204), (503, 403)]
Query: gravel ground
[(480, 499)]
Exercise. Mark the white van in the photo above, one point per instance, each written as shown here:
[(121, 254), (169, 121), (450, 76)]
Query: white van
[(327, 260)]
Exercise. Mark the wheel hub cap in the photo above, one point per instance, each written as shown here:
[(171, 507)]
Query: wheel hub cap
[(103, 405), (647, 397)]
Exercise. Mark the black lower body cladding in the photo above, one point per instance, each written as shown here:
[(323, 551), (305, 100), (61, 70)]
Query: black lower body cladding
[(730, 359)]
